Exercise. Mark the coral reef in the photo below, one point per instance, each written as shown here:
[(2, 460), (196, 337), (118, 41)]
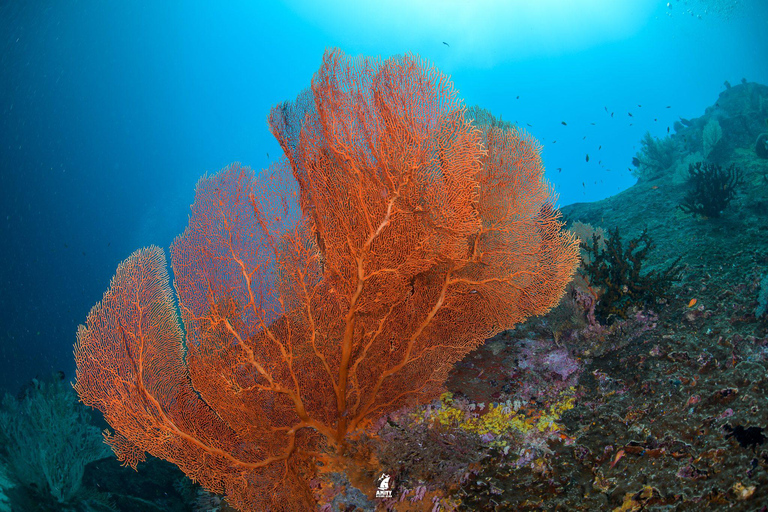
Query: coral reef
[(577, 409), (740, 111), (425, 455), (5, 485), (394, 239), (655, 156), (711, 135), (711, 188), (441, 447), (761, 145), (47, 441), (616, 272), (483, 117), (673, 418), (762, 298)]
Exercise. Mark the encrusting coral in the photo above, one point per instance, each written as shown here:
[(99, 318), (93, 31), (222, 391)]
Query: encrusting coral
[(341, 286)]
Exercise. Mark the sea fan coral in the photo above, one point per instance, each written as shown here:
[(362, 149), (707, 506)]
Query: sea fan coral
[(418, 236)]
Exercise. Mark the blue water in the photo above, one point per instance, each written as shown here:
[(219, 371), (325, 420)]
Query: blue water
[(112, 111)]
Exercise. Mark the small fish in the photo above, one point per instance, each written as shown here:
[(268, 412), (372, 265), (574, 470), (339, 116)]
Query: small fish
[(563, 123), (667, 129), (606, 109), (446, 44), (617, 458), (654, 119), (692, 303), (559, 169), (583, 184), (630, 114), (599, 162), (517, 98), (611, 114), (669, 106), (599, 147), (584, 138), (593, 124), (654, 187), (635, 161), (267, 154), (529, 124), (554, 141), (587, 157), (640, 106)]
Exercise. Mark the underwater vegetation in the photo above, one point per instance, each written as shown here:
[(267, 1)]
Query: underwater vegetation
[(761, 144), (643, 388), (663, 409), (609, 401), (419, 235), (655, 156), (616, 271), (711, 188), (674, 418), (46, 440)]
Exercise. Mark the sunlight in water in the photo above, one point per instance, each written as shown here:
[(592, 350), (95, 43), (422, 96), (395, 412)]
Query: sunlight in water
[(485, 31)]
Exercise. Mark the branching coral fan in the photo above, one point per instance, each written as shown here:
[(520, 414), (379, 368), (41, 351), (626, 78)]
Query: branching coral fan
[(418, 236)]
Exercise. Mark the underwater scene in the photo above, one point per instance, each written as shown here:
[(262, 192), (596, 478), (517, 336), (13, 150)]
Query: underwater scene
[(491, 255)]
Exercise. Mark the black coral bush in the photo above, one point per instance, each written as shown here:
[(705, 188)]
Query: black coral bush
[(711, 188)]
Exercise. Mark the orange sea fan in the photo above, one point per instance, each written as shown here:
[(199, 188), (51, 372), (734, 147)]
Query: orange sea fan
[(341, 286)]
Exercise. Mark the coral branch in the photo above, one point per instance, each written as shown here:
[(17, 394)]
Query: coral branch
[(342, 284)]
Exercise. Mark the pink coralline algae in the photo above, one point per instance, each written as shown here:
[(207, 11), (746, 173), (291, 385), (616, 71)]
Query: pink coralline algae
[(561, 363)]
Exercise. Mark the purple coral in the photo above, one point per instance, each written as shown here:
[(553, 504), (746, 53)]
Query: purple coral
[(561, 363)]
